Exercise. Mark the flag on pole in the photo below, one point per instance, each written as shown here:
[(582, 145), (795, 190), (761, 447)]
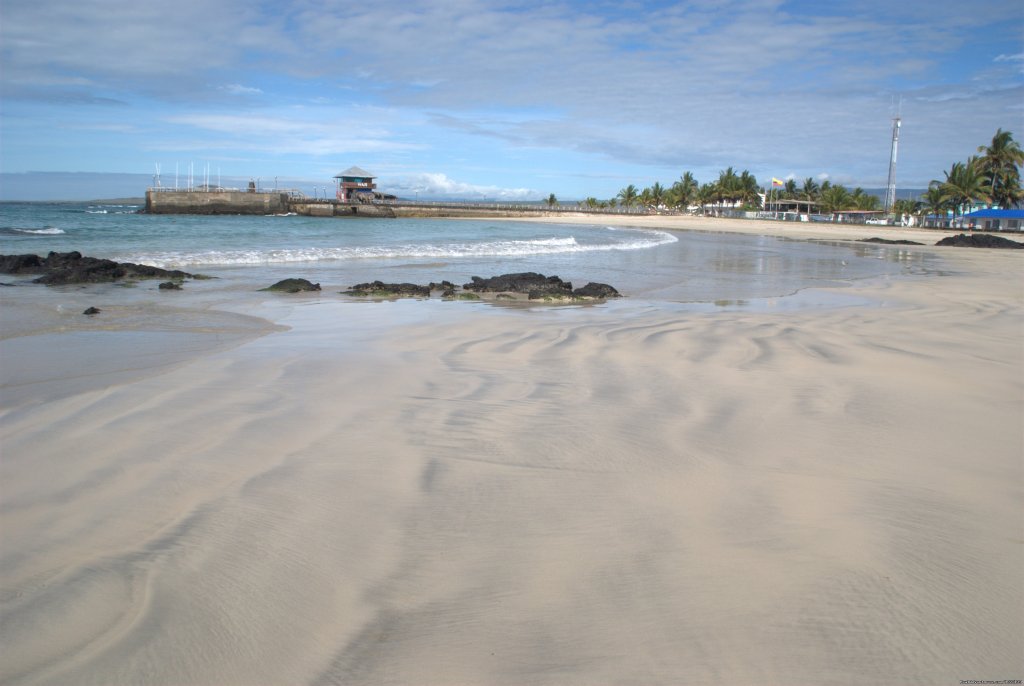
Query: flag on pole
[(777, 182)]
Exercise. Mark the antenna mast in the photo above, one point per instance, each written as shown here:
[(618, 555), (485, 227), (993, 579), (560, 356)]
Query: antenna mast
[(890, 191)]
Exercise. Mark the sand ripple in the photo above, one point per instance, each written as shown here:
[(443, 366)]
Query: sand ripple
[(439, 493)]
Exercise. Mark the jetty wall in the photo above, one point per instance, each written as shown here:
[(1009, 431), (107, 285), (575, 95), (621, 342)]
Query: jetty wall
[(215, 202), (334, 208), (163, 201), (469, 211)]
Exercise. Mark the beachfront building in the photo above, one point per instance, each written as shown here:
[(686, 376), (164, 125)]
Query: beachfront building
[(355, 185), (993, 220)]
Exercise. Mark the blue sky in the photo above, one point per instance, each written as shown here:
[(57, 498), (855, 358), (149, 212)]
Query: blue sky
[(502, 99)]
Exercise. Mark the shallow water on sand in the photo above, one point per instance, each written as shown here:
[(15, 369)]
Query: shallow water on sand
[(250, 252)]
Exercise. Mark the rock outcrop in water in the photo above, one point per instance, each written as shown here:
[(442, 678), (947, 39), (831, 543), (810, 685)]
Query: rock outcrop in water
[(888, 241), (520, 286), (980, 240), (59, 268), (598, 291), (293, 286), (379, 289), (539, 287)]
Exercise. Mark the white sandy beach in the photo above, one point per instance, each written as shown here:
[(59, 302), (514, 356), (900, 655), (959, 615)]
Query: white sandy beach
[(453, 493)]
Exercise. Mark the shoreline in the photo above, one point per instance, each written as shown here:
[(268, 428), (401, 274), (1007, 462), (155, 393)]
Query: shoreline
[(762, 227)]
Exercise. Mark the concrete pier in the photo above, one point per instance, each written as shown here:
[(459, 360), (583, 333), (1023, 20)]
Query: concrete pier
[(215, 202), (242, 202)]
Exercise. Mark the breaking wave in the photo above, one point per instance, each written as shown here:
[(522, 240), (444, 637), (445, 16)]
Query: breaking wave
[(511, 248), (48, 231), (112, 209)]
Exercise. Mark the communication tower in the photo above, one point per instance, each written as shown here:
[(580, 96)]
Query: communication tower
[(890, 190)]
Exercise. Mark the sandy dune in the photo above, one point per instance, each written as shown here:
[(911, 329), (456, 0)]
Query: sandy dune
[(451, 493)]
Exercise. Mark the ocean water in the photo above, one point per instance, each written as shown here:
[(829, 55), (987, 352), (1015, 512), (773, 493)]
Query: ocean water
[(247, 252)]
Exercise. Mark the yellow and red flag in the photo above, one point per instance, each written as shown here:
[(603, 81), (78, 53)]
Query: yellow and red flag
[(777, 182)]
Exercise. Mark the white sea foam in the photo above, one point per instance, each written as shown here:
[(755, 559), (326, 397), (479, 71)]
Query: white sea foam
[(48, 231), (513, 248), (112, 209)]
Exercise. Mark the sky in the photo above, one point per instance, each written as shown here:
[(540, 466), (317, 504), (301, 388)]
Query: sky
[(498, 100)]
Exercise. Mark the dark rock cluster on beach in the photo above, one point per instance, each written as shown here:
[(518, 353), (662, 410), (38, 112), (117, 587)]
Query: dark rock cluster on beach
[(888, 241), (293, 286), (505, 287), (539, 287), (59, 268), (980, 240), (379, 289)]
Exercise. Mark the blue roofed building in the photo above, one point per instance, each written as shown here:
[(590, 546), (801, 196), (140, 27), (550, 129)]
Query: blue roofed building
[(992, 220)]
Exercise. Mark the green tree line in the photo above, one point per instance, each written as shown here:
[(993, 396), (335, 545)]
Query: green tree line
[(991, 177)]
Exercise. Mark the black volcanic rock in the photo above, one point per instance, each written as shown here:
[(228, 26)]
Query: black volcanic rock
[(170, 286), (59, 268), (889, 241), (980, 240), (21, 264), (293, 286), (92, 310), (522, 282), (379, 289), (596, 291)]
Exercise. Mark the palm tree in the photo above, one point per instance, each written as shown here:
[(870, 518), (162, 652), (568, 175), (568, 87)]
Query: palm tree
[(964, 184), (705, 194), (748, 189), (645, 197), (810, 189), (728, 186), (906, 206), (627, 196), (684, 191), (933, 201), (1000, 163), (860, 200), (552, 200), (789, 190), (834, 199), (657, 194)]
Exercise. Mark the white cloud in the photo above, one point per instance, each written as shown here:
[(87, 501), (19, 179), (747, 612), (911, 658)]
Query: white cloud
[(438, 185), (238, 89), (324, 132)]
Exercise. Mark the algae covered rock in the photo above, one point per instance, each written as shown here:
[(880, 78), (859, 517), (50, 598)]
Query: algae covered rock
[(293, 286), (532, 283), (596, 291), (379, 289)]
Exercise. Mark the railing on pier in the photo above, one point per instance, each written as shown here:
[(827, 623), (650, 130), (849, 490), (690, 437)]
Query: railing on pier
[(292, 192), (516, 207)]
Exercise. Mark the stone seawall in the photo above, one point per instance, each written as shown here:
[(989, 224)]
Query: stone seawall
[(336, 209), (242, 202), (215, 202), (469, 212)]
